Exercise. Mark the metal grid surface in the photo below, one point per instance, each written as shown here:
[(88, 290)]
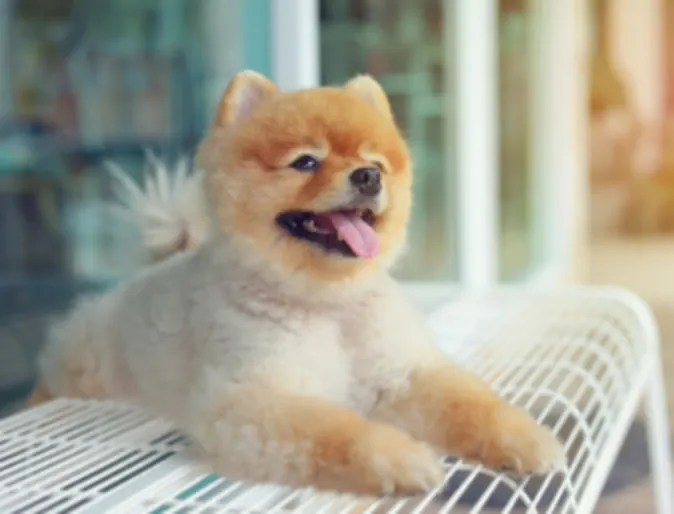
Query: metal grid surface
[(579, 360)]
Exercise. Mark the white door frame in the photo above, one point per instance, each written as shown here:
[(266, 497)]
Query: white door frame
[(558, 124), (560, 79), (474, 27), (295, 43)]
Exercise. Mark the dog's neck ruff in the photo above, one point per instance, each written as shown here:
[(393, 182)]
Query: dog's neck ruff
[(243, 265)]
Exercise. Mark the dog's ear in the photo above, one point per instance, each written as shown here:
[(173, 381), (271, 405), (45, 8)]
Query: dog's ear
[(369, 90), (244, 93)]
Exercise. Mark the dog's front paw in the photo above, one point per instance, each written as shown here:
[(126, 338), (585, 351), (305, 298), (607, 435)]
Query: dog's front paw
[(515, 442), (388, 461)]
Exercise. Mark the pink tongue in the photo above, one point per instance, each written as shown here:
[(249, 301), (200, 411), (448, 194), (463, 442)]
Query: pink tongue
[(360, 236)]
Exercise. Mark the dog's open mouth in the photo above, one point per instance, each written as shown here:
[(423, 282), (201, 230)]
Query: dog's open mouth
[(349, 232)]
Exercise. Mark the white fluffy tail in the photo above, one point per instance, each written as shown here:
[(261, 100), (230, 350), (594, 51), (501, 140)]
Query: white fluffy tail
[(169, 210)]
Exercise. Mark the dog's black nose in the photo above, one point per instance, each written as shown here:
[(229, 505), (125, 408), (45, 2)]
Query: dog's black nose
[(367, 180)]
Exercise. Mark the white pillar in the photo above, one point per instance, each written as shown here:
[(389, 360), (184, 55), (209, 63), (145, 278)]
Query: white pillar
[(475, 29), (559, 135), (295, 43)]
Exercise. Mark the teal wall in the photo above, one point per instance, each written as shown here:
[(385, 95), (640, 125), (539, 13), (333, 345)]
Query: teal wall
[(256, 35)]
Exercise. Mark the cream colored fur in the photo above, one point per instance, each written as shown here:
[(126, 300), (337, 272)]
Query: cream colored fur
[(278, 380), (206, 339), (169, 210)]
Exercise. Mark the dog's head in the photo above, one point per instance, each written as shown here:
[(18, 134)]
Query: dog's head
[(316, 181)]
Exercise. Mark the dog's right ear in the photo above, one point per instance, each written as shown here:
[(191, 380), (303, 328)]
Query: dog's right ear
[(244, 93), (369, 90)]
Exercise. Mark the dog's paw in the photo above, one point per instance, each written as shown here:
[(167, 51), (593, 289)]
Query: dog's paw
[(516, 443), (390, 462)]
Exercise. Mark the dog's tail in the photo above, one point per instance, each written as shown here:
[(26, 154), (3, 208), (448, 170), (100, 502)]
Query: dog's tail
[(169, 209)]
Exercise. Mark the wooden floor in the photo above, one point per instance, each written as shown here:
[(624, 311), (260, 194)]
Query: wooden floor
[(646, 267)]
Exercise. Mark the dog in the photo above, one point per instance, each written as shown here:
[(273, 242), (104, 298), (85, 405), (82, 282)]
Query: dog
[(269, 328)]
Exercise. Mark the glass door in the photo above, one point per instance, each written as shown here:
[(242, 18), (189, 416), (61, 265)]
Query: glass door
[(87, 82), (83, 82), (516, 242), (492, 98)]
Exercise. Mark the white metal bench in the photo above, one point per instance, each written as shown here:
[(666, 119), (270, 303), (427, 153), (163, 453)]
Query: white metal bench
[(580, 359)]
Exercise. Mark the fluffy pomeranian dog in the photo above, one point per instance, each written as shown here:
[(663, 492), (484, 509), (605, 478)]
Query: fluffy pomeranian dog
[(269, 329)]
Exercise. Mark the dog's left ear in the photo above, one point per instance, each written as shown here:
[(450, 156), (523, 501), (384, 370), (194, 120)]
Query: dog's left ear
[(371, 91), (244, 93)]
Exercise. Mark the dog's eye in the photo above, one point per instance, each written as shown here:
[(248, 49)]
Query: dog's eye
[(379, 165), (305, 163)]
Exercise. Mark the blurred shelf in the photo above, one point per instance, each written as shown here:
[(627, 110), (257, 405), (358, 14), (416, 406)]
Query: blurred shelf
[(26, 145)]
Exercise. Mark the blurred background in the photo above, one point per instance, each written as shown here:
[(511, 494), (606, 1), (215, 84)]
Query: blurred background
[(542, 130)]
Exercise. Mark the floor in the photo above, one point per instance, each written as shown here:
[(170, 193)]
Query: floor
[(646, 267)]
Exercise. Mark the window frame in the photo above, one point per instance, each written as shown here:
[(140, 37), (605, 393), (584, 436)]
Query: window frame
[(558, 124), (295, 43)]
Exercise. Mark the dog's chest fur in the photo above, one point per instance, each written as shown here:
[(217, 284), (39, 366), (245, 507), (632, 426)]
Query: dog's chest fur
[(198, 325), (350, 351), (335, 352)]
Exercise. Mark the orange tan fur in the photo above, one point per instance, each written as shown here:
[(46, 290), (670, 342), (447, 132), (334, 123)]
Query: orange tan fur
[(289, 358), (321, 119), (340, 450), (38, 396), (455, 411)]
